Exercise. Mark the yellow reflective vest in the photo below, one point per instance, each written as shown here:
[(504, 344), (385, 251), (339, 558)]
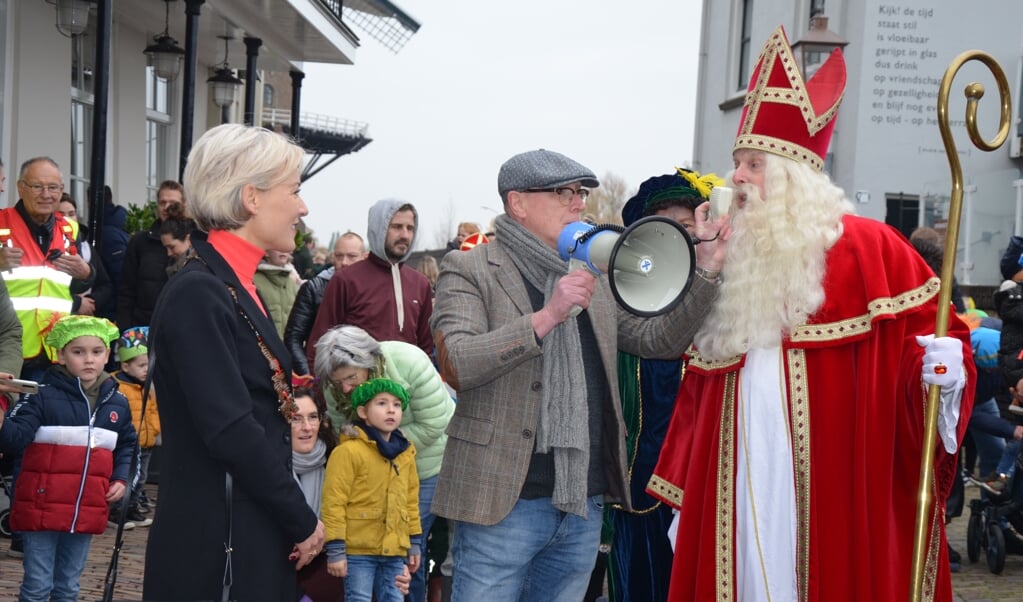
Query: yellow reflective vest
[(40, 293)]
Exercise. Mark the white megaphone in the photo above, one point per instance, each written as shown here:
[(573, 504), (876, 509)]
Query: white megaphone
[(649, 265)]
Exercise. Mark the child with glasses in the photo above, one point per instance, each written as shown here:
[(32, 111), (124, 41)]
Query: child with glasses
[(371, 497)]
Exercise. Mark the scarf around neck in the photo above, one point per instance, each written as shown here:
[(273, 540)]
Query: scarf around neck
[(563, 424), (309, 472), (388, 449)]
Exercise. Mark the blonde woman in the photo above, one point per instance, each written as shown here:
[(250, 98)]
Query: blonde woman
[(225, 397)]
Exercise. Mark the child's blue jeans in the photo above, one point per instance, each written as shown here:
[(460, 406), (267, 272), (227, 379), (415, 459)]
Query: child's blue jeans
[(53, 565), (368, 575)]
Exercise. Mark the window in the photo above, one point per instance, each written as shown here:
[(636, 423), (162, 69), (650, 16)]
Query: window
[(158, 127), (816, 8), (745, 41), (903, 212), (83, 52), (268, 96)]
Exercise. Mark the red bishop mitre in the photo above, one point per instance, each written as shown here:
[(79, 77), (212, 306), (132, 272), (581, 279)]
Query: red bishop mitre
[(784, 116), (474, 239)]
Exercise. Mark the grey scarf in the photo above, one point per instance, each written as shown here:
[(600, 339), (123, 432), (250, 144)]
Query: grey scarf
[(563, 409), (309, 472)]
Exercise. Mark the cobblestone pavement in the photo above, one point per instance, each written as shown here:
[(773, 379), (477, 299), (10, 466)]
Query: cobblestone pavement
[(973, 583), (129, 578)]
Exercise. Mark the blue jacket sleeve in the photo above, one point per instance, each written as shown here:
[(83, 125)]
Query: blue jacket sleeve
[(21, 424)]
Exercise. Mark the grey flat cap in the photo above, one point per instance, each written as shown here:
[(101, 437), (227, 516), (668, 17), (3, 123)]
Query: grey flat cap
[(541, 169)]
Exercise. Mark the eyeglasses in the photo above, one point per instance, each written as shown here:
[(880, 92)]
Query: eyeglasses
[(312, 419), (565, 193), (38, 188)]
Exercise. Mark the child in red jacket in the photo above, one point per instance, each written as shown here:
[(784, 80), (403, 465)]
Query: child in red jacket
[(77, 442)]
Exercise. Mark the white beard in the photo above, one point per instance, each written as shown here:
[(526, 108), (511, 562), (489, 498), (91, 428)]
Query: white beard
[(775, 262)]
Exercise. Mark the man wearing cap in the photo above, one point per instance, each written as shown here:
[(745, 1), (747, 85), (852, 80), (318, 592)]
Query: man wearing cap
[(794, 448), (537, 443)]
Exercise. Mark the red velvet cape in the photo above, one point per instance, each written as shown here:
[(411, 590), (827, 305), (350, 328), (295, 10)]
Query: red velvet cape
[(857, 416)]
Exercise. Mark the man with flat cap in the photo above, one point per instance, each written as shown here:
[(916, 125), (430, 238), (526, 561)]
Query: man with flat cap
[(537, 443)]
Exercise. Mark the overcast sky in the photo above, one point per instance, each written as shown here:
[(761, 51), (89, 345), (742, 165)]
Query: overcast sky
[(610, 84)]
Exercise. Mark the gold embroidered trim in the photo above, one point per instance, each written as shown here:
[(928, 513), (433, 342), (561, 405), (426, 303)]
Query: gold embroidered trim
[(778, 49), (635, 447), (697, 360), (931, 564), (784, 148), (834, 331), (726, 492), (799, 417), (665, 490)]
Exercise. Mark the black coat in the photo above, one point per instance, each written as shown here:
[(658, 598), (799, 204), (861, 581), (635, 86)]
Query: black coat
[(219, 411), (300, 321), (1009, 305), (143, 276)]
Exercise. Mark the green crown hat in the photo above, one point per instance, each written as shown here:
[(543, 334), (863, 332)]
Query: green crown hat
[(373, 387), (70, 328), (133, 343)]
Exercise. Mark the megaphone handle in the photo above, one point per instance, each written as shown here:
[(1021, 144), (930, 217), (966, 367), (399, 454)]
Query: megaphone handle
[(576, 264)]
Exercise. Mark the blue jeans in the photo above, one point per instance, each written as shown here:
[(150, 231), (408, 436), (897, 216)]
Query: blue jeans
[(1007, 465), (989, 447), (53, 565), (417, 589), (368, 575), (536, 553)]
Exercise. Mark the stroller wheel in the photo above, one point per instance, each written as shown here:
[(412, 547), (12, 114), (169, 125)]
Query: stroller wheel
[(974, 534), (995, 549), (5, 523)]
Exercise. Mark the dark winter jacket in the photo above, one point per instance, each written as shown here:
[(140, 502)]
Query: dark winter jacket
[(1009, 305), (142, 278), (303, 314), (219, 413), (115, 242), (71, 454)]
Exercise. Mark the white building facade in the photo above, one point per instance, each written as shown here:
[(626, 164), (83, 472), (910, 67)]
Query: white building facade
[(887, 152), (47, 80)]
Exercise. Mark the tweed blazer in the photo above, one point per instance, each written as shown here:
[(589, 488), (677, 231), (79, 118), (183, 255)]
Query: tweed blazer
[(487, 351)]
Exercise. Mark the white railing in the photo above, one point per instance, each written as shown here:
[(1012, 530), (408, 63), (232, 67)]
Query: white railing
[(317, 122)]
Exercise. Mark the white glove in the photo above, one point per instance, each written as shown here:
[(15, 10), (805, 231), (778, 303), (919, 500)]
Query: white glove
[(946, 352), (943, 360)]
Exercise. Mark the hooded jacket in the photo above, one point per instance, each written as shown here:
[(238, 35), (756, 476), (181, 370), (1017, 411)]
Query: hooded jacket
[(71, 454), (367, 293), (277, 289), (369, 502)]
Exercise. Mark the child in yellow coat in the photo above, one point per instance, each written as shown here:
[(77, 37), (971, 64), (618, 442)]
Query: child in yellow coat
[(133, 353), (371, 497)]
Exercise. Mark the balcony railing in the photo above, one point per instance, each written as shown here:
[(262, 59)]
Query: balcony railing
[(382, 20), (334, 6), (328, 124)]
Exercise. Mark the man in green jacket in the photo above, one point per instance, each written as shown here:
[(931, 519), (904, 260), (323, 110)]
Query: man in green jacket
[(10, 348)]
